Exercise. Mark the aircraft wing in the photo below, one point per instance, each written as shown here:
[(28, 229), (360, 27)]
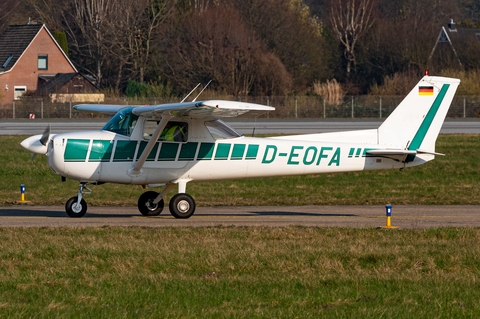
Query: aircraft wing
[(200, 109), (100, 108)]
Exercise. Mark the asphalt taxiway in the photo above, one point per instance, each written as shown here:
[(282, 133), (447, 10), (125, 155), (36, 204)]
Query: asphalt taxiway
[(403, 216)]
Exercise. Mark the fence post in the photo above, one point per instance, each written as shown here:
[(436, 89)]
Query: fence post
[(380, 106), (70, 107), (324, 113), (268, 104), (464, 107), (41, 108), (352, 107), (13, 102), (296, 107)]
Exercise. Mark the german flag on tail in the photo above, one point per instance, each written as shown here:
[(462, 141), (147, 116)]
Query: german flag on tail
[(425, 90)]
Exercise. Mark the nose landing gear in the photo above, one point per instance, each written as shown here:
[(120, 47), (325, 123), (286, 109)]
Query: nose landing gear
[(76, 206)]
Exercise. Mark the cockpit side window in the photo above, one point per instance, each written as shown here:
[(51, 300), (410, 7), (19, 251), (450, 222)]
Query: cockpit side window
[(173, 132), (220, 130), (123, 122)]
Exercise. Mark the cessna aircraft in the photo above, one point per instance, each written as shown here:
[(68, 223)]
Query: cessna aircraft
[(174, 144)]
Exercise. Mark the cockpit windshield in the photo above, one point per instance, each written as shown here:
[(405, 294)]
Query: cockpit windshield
[(123, 122)]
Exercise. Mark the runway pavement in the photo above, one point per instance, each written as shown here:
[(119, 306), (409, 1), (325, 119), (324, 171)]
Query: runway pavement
[(403, 216), (244, 126)]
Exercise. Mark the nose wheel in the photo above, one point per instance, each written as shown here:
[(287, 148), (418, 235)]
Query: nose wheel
[(74, 208)]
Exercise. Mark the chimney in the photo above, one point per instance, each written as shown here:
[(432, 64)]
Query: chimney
[(452, 26)]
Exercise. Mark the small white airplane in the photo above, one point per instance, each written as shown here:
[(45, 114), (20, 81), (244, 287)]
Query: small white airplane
[(174, 144)]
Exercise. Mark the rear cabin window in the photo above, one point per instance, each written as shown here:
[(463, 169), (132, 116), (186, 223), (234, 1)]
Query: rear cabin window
[(220, 130)]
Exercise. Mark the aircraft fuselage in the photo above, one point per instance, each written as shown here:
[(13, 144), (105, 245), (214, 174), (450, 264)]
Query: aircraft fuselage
[(107, 157)]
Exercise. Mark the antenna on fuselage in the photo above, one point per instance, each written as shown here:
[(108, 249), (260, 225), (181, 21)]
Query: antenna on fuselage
[(202, 91), (190, 93)]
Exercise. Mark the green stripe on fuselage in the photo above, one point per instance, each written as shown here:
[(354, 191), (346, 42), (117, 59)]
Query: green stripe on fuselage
[(187, 152), (168, 152), (153, 153), (101, 151), (238, 151), (222, 152), (124, 151), (206, 151), (76, 150), (252, 152)]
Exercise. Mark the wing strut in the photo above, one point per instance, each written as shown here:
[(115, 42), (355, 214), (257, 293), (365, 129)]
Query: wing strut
[(136, 169)]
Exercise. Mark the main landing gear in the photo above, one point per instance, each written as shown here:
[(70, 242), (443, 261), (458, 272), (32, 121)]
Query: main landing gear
[(150, 203), (181, 205)]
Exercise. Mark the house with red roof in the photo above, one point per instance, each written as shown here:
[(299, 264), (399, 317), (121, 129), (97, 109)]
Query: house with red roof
[(29, 57)]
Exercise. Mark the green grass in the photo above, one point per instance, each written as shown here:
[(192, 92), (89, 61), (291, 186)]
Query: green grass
[(247, 272), (452, 179), (239, 272)]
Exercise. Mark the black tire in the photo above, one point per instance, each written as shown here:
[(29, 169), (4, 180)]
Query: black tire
[(182, 206), (74, 210), (146, 208)]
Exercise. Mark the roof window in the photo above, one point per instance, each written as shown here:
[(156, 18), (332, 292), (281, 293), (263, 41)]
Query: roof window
[(7, 61)]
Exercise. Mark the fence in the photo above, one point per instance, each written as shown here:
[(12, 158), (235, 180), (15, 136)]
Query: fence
[(285, 107)]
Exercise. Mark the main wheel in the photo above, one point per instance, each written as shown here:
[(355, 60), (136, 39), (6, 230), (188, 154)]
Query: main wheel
[(75, 209), (146, 207), (182, 206)]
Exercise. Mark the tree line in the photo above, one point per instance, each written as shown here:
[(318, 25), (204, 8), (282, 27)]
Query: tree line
[(251, 47)]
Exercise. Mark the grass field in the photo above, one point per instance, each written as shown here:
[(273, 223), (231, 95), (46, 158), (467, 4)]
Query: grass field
[(239, 272), (451, 179), (247, 272)]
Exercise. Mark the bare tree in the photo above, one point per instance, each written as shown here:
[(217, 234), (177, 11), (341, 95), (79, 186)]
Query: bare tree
[(142, 33), (350, 20), (216, 45), (49, 12), (288, 31), (7, 8)]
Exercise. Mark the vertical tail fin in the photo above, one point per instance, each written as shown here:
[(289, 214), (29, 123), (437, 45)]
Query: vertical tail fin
[(417, 120)]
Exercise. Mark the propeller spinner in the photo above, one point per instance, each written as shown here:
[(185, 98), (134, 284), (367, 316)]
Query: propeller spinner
[(37, 144)]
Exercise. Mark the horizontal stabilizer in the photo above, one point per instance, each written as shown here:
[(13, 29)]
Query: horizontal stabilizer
[(429, 153), (401, 155), (387, 152)]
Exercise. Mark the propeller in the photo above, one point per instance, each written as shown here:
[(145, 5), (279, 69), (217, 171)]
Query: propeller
[(45, 136), (37, 144)]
